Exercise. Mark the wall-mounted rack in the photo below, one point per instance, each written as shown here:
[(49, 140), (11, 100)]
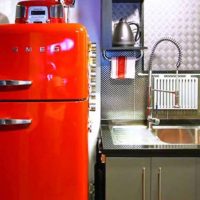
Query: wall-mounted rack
[(109, 58), (126, 48)]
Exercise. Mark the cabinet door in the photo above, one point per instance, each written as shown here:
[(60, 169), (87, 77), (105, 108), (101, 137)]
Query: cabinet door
[(173, 179), (127, 178)]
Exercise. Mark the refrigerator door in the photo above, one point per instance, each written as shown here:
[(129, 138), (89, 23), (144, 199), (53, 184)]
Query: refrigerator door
[(43, 151), (43, 61)]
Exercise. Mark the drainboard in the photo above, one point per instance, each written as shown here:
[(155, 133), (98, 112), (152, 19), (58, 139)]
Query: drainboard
[(133, 135)]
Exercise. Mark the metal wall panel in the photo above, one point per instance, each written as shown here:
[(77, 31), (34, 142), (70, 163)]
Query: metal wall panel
[(119, 97), (178, 19), (126, 99)]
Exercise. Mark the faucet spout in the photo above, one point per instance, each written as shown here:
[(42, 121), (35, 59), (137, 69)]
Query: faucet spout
[(150, 118)]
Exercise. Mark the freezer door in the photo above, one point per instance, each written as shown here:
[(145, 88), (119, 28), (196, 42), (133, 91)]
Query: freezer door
[(43, 61), (43, 151)]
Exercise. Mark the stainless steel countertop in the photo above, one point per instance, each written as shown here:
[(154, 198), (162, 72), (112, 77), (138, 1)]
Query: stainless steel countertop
[(134, 137)]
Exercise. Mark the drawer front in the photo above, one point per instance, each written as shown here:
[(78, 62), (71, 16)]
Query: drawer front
[(43, 156), (48, 61)]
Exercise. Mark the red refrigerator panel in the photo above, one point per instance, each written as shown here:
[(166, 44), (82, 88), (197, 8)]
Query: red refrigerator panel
[(50, 60), (46, 159)]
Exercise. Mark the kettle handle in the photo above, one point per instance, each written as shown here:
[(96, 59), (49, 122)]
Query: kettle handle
[(138, 35)]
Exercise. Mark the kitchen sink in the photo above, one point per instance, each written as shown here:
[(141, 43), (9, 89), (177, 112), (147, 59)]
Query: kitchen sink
[(160, 137), (178, 134)]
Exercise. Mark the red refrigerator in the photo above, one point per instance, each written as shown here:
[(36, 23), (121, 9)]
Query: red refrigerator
[(43, 112)]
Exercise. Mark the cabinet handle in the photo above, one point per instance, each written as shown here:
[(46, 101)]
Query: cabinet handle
[(4, 83), (7, 122), (143, 183), (159, 183)]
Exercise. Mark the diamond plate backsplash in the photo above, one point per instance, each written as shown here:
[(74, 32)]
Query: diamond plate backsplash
[(129, 11), (119, 97), (179, 19)]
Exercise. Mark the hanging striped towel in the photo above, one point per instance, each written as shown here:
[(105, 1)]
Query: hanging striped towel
[(123, 67)]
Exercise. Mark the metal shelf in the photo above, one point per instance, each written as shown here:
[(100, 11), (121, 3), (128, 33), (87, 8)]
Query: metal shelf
[(125, 48), (130, 52)]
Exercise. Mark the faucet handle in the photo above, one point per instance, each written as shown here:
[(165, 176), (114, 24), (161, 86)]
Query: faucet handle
[(156, 121), (153, 120)]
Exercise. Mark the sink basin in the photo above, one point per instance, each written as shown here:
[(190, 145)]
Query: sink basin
[(178, 134)]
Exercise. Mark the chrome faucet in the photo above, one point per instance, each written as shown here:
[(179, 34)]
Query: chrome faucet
[(155, 121)]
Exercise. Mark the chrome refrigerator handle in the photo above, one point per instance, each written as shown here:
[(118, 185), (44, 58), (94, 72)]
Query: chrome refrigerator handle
[(7, 122), (15, 83)]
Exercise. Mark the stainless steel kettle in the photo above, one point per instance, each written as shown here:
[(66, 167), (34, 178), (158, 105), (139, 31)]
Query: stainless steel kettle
[(123, 35)]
